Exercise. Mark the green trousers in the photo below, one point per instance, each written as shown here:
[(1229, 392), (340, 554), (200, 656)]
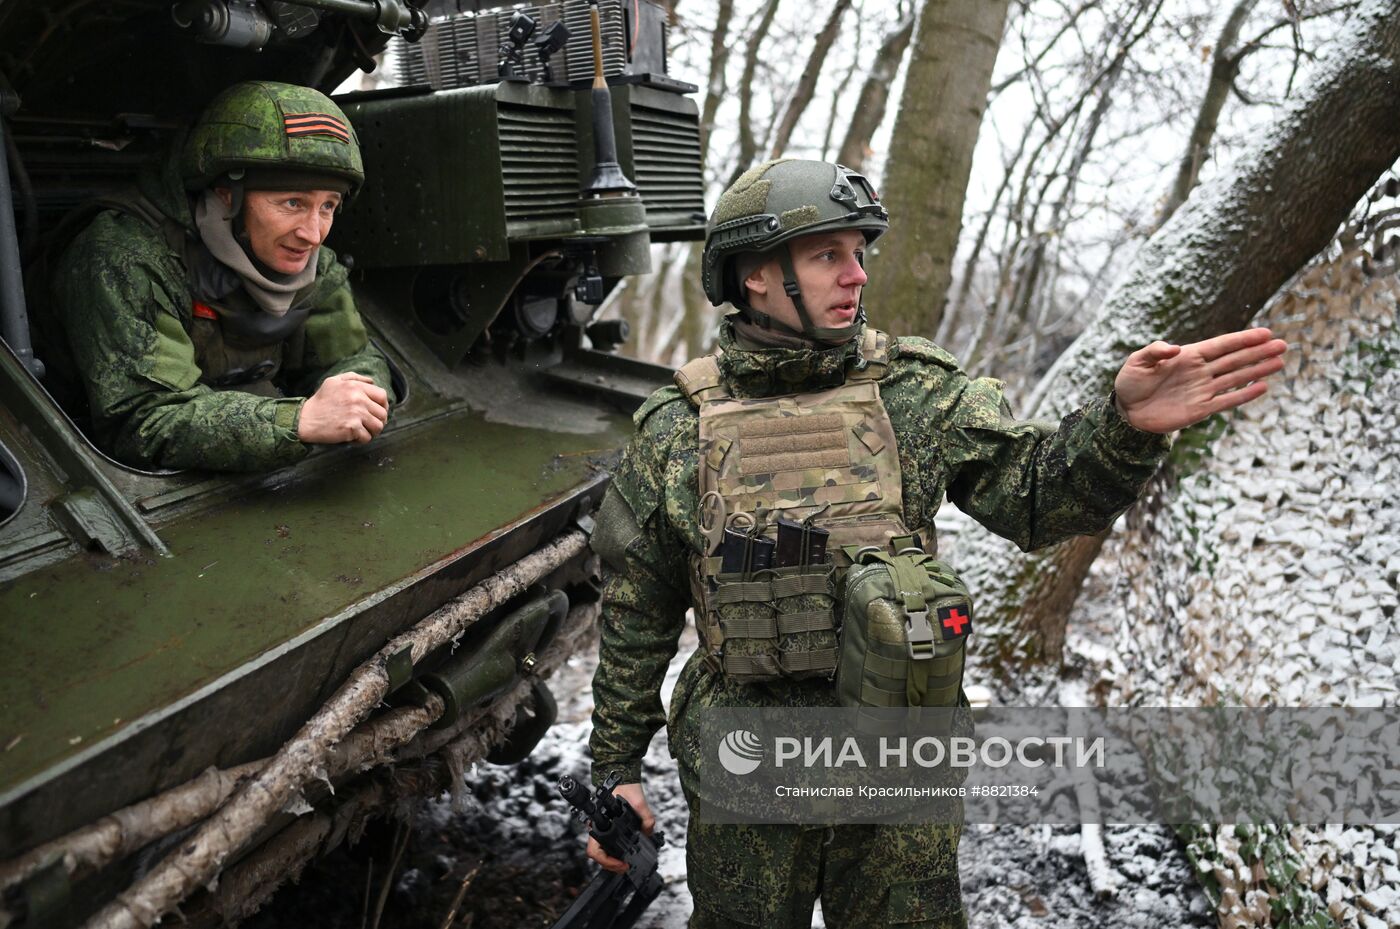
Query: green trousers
[(865, 876), (772, 875)]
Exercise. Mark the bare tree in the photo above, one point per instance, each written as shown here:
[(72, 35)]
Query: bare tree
[(719, 61), (807, 83), (748, 143), (1225, 67), (1226, 59), (869, 111), (1048, 186), (839, 91), (1210, 269), (950, 71)]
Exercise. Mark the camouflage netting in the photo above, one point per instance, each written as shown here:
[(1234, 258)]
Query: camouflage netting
[(1265, 573)]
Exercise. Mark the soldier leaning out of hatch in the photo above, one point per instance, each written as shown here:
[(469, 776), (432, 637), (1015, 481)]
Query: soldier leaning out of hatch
[(208, 326), (785, 246)]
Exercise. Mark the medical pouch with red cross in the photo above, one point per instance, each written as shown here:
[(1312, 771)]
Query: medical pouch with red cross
[(906, 619)]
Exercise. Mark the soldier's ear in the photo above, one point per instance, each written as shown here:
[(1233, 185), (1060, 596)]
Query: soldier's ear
[(756, 282), (225, 196)]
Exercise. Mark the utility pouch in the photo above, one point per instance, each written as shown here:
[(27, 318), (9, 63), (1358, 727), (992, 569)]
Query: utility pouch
[(776, 623), (800, 543), (906, 622)]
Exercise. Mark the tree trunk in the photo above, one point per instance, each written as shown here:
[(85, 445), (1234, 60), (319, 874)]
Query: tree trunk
[(1209, 270), (950, 71), (1225, 67), (807, 84), (719, 60), (839, 92), (874, 95)]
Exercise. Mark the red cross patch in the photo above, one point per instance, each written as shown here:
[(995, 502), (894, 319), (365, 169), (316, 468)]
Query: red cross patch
[(954, 621)]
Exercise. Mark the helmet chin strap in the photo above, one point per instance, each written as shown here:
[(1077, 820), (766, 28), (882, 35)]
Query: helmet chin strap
[(833, 335)]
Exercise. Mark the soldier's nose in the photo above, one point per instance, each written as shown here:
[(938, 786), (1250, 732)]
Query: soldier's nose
[(309, 230)]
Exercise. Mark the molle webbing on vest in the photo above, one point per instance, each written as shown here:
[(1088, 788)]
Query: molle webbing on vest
[(831, 451), (827, 456), (793, 443)]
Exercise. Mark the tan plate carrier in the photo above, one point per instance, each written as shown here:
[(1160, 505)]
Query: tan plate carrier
[(829, 454)]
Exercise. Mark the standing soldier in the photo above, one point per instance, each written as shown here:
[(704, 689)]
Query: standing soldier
[(767, 424), (206, 326)]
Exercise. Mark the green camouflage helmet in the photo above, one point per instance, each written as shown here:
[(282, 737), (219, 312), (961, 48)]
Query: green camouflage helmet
[(777, 201), (272, 130)]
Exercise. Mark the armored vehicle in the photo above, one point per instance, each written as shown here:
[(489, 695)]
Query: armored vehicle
[(203, 676)]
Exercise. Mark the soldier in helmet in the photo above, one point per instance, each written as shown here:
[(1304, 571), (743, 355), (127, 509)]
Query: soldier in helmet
[(767, 424), (207, 325)]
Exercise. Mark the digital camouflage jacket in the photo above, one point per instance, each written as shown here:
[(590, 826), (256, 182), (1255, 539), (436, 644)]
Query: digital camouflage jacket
[(1032, 483), (124, 303)]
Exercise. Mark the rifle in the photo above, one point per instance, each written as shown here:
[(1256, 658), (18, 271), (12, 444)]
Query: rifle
[(612, 901)]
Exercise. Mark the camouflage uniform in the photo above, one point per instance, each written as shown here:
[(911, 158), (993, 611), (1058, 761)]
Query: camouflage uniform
[(155, 375), (1033, 483)]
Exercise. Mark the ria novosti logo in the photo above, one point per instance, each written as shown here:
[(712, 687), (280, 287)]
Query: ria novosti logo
[(740, 752)]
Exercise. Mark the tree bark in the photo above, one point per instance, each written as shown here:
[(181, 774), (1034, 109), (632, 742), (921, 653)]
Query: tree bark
[(807, 83), (874, 96), (1209, 270), (950, 71)]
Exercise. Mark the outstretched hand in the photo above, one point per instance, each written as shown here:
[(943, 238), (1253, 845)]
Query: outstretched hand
[(1166, 387)]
